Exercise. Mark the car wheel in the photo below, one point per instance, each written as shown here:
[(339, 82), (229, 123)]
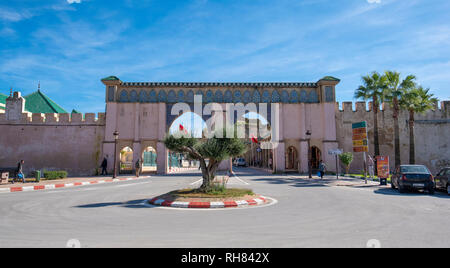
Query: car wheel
[(431, 191), (448, 189), (400, 189), (392, 185)]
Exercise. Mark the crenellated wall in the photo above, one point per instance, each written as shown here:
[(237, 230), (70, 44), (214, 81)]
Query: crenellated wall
[(432, 133), (71, 142)]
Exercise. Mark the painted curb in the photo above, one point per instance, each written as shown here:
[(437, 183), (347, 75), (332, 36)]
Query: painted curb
[(227, 204), (177, 170), (64, 185)]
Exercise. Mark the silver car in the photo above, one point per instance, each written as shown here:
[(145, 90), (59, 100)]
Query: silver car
[(442, 179)]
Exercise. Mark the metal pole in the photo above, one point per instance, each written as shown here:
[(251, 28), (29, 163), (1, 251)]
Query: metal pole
[(365, 168), (309, 159), (337, 168), (115, 159)]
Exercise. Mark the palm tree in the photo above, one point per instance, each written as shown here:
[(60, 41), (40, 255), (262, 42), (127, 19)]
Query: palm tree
[(416, 100), (395, 89), (373, 87)]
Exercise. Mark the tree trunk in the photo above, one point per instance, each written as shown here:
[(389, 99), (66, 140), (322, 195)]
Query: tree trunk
[(412, 151), (375, 126), (396, 133), (208, 174)]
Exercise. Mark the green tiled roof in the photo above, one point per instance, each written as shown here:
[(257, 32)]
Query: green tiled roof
[(3, 98), (111, 78), (38, 102), (75, 111), (330, 78)]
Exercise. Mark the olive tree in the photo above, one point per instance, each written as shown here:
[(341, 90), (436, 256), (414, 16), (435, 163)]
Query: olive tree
[(209, 152)]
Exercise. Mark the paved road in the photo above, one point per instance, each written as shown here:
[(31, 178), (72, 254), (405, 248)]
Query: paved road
[(307, 215)]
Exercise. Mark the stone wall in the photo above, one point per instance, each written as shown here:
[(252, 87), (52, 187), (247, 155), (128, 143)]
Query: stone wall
[(71, 142), (432, 132)]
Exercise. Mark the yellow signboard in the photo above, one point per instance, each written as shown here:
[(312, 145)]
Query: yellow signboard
[(359, 143), (360, 136), (361, 149)]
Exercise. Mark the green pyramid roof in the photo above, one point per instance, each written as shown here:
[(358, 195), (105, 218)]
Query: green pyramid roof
[(38, 102), (111, 78), (75, 111), (3, 101), (3, 98), (330, 78)]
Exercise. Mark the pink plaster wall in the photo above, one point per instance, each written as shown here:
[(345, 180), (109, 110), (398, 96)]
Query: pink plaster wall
[(74, 146)]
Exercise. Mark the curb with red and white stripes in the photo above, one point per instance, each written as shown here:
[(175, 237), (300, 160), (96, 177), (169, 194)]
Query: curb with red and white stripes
[(178, 170), (64, 185), (226, 204)]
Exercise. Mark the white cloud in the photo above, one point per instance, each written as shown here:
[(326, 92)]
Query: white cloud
[(74, 1), (374, 1)]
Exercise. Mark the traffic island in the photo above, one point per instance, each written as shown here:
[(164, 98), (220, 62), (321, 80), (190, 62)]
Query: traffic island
[(229, 198)]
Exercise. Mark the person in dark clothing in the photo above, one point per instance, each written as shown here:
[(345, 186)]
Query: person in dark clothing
[(104, 166), (322, 169), (19, 171), (138, 167)]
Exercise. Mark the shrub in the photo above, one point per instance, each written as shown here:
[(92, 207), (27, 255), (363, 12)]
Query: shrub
[(346, 159), (54, 175)]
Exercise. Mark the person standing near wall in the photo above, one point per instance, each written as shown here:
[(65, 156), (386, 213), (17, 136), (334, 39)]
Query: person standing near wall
[(20, 171), (322, 169), (104, 166), (138, 167)]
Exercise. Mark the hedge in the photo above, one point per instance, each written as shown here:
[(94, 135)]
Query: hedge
[(54, 175)]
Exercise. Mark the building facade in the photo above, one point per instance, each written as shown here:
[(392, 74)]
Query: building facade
[(308, 121)]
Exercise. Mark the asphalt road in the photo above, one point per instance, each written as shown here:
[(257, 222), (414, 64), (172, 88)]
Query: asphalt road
[(306, 215)]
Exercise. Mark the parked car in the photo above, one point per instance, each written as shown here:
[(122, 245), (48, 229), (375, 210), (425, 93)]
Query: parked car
[(442, 179), (240, 162), (411, 177)]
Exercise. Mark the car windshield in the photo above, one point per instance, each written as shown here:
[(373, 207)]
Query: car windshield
[(414, 169)]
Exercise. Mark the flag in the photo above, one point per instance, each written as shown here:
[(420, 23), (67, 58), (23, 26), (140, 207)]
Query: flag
[(181, 127), (254, 140)]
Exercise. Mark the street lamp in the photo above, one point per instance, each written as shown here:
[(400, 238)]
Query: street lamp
[(116, 137), (308, 135)]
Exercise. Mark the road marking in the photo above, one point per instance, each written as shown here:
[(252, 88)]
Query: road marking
[(244, 182), (132, 184), (196, 182)]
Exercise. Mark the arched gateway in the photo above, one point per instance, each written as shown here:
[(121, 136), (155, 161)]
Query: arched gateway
[(143, 112)]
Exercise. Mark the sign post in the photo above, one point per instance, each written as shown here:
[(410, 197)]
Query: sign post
[(336, 153), (360, 142), (383, 169)]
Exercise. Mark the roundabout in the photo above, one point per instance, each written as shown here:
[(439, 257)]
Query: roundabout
[(257, 201)]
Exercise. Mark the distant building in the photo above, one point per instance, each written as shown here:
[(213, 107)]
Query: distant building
[(36, 102)]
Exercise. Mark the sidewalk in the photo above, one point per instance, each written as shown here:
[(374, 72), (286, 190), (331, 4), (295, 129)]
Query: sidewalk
[(69, 182), (342, 181)]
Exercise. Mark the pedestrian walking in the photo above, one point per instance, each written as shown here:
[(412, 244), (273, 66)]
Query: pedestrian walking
[(138, 167), (322, 169), (19, 171), (104, 166)]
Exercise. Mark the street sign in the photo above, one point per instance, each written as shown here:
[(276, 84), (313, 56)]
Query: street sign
[(360, 141), (383, 166), (335, 152)]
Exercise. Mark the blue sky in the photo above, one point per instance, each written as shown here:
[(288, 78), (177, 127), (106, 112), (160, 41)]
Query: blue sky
[(70, 46)]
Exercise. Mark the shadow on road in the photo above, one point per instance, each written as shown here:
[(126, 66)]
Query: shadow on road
[(128, 204), (389, 191), (294, 182)]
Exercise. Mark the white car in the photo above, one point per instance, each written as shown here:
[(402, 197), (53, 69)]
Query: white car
[(240, 162)]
